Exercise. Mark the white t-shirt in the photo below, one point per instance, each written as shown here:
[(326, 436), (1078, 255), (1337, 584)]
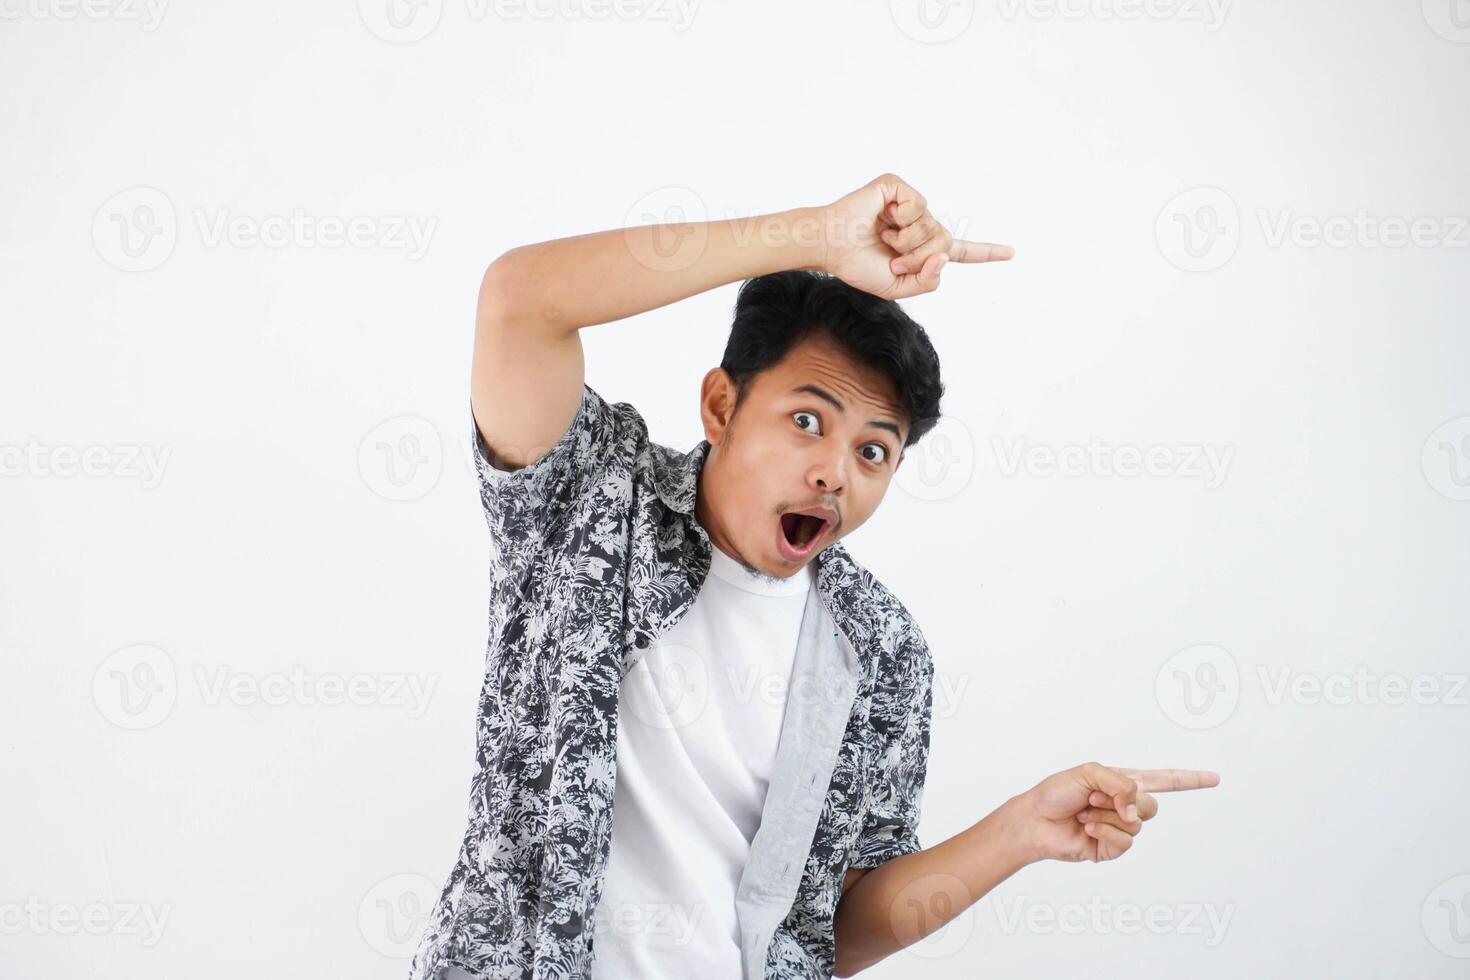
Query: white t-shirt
[(699, 718)]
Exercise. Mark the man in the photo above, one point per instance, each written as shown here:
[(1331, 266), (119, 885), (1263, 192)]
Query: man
[(704, 727)]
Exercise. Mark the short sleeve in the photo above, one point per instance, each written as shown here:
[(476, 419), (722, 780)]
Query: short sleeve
[(522, 504), (901, 711)]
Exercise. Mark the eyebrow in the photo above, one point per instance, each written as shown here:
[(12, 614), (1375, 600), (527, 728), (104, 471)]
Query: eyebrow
[(826, 395)]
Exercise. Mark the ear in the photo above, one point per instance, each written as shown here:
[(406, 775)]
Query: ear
[(716, 404)]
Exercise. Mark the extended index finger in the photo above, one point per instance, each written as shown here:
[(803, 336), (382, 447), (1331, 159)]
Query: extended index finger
[(963, 251), (1172, 780)]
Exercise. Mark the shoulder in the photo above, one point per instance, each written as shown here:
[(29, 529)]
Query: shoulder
[(607, 438), (620, 421), (593, 458)]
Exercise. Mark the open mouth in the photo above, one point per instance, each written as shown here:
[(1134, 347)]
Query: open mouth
[(800, 532)]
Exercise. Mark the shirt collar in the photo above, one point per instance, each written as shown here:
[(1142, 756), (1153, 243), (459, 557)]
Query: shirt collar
[(676, 476)]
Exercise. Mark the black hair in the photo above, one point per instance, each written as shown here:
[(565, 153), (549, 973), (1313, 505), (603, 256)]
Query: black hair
[(774, 312)]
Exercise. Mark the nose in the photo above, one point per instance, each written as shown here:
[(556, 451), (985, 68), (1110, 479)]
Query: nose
[(828, 473)]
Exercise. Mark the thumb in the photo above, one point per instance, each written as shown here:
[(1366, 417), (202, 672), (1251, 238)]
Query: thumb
[(1122, 790), (925, 280)]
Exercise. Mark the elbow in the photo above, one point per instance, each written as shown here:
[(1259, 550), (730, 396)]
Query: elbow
[(509, 294), (498, 298), (847, 961), (503, 267)]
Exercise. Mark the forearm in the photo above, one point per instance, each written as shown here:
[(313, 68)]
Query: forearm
[(569, 283), (908, 898)]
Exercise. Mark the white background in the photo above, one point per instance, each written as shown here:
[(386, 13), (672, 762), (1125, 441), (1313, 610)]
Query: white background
[(1073, 615)]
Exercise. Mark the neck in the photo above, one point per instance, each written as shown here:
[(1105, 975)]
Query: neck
[(704, 512)]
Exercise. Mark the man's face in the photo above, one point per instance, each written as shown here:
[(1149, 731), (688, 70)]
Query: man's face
[(815, 431)]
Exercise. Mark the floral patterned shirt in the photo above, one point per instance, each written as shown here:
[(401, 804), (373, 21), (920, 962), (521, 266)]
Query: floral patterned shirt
[(594, 553)]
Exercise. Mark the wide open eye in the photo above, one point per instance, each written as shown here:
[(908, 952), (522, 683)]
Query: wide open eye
[(815, 425), (880, 452)]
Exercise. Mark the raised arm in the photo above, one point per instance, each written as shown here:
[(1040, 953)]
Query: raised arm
[(527, 378)]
